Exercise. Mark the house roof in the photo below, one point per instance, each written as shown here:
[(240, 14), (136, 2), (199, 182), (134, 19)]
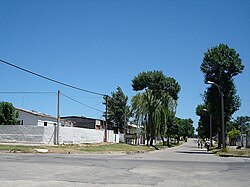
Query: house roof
[(33, 112), (81, 117)]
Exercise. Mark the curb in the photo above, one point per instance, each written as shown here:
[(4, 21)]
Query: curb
[(231, 155)]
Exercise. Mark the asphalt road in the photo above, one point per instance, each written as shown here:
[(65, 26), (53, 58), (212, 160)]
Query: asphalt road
[(185, 165)]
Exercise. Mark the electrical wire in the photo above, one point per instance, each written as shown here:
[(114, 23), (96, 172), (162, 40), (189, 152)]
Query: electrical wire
[(52, 80), (10, 92), (81, 103)]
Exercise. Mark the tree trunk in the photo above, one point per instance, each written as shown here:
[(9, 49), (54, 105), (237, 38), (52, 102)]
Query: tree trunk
[(152, 141), (219, 142), (168, 142), (148, 138), (163, 141)]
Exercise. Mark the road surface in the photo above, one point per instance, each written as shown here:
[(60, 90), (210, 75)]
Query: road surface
[(185, 165)]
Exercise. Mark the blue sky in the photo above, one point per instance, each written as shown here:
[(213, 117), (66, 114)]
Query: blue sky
[(99, 45)]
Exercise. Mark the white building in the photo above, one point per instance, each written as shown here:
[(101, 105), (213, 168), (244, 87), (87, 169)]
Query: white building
[(30, 117)]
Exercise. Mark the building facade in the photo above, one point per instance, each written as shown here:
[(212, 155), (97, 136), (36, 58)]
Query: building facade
[(83, 122), (31, 117)]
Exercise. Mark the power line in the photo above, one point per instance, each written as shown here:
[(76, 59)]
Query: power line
[(92, 106), (52, 80), (10, 92), (81, 103)]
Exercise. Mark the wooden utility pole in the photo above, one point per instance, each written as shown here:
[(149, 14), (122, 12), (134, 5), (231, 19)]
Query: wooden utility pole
[(55, 133), (58, 117), (125, 125), (106, 120)]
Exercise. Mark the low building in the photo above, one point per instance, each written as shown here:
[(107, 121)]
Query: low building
[(84, 122), (31, 117), (133, 134)]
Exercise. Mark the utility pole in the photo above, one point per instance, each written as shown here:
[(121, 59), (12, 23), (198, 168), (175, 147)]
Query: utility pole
[(58, 117), (222, 120), (106, 120), (222, 113), (125, 126), (210, 124), (55, 133)]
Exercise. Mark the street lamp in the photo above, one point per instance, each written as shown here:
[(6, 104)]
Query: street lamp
[(210, 126), (222, 113)]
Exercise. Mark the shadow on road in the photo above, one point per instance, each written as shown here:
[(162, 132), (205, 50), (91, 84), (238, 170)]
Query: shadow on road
[(194, 152)]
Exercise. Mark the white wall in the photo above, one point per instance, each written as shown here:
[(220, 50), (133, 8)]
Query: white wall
[(31, 119), (45, 135), (80, 135), (112, 137), (26, 134)]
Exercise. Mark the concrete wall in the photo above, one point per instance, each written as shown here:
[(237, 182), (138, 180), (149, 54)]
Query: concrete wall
[(16, 133), (79, 135), (45, 135)]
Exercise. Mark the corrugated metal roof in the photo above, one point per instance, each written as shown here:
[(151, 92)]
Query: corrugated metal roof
[(33, 112)]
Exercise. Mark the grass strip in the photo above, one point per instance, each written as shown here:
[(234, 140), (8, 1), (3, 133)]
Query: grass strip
[(98, 148), (116, 148), (229, 152)]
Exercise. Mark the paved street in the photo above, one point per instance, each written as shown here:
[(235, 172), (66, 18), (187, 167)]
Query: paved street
[(185, 165)]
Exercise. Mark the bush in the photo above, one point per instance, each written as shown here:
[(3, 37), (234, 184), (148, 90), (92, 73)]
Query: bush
[(8, 114)]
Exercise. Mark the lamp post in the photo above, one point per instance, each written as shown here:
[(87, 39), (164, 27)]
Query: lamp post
[(222, 113), (210, 126)]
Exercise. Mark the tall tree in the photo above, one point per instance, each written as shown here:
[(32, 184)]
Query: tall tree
[(139, 113), (8, 114), (167, 110), (204, 121), (138, 109), (155, 86), (220, 64), (118, 109)]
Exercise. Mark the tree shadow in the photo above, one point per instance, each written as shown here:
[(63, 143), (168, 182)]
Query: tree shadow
[(156, 148), (194, 152)]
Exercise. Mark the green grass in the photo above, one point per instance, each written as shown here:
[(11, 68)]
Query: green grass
[(116, 148), (99, 148), (103, 147), (17, 148), (232, 152), (239, 152)]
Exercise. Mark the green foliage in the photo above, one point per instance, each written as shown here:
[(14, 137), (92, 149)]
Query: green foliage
[(156, 103), (204, 123), (138, 109), (220, 65), (186, 128), (8, 114), (158, 83), (118, 110), (241, 123), (233, 133)]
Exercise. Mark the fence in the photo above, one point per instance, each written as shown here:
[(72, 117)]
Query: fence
[(45, 135)]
